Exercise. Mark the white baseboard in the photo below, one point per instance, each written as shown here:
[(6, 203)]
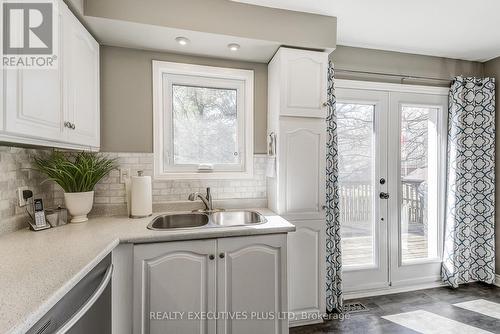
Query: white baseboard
[(307, 316), (391, 290), (298, 323), (400, 289)]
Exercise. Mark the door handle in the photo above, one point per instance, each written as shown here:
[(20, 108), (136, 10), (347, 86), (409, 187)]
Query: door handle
[(383, 195), (89, 303)]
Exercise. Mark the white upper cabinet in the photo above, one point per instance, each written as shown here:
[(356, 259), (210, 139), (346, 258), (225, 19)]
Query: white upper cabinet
[(33, 106), (33, 102), (302, 168), (56, 107), (303, 80), (297, 90), (81, 83)]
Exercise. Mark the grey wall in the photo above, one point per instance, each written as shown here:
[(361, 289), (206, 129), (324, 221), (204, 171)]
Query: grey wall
[(492, 69), (127, 97), (369, 60)]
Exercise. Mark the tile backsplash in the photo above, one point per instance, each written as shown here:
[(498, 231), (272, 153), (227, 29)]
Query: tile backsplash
[(16, 171), (111, 191), (110, 198)]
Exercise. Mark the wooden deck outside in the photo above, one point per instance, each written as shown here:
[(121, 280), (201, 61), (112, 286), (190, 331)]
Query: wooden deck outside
[(358, 250)]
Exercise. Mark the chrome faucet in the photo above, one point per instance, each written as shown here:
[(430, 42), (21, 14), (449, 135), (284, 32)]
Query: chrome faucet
[(207, 200)]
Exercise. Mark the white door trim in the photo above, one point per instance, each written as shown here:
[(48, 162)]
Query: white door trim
[(399, 274)]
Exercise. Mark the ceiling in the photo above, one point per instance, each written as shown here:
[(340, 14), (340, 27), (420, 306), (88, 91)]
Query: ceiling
[(460, 29), (158, 38)]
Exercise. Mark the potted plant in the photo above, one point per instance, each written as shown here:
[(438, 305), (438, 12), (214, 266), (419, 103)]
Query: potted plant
[(77, 174)]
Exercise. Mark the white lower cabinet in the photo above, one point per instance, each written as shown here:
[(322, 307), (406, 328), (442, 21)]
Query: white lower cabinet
[(198, 286), (174, 277), (251, 277), (307, 271)]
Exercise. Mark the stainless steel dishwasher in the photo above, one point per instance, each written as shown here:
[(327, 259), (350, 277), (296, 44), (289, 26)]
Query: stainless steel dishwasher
[(84, 309)]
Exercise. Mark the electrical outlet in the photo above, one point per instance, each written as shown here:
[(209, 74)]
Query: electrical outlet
[(124, 174), (20, 198)]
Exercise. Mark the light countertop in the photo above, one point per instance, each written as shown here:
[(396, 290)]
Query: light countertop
[(38, 268)]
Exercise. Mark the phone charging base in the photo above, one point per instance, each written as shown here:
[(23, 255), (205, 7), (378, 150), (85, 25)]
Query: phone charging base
[(34, 227)]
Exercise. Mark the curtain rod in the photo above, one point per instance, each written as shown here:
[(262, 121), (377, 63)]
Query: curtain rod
[(402, 76)]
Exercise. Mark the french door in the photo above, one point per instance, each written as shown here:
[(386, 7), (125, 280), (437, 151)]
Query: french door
[(392, 149)]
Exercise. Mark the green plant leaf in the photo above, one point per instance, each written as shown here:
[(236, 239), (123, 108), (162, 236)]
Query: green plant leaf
[(75, 172)]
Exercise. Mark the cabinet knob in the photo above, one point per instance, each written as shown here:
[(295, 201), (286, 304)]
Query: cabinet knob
[(211, 256), (221, 255), (69, 125)]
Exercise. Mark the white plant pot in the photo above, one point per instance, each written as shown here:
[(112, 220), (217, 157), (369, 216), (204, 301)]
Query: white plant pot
[(79, 205)]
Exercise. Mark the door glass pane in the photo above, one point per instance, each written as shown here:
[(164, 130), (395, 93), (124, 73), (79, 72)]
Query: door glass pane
[(356, 182), (419, 190)]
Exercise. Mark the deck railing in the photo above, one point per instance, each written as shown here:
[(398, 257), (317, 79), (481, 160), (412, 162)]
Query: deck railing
[(356, 200)]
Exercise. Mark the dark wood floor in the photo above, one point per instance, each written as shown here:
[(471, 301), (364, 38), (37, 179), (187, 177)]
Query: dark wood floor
[(439, 301)]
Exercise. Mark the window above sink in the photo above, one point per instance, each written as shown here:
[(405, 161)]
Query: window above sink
[(203, 121)]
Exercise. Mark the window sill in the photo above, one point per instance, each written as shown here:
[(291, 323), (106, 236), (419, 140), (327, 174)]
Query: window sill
[(204, 176)]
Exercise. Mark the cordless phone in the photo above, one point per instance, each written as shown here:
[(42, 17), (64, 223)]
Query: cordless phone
[(39, 213)]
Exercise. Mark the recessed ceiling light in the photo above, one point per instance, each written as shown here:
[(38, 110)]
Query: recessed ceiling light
[(182, 40), (233, 47)]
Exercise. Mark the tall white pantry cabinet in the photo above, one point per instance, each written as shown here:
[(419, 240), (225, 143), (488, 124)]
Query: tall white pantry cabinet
[(297, 90)]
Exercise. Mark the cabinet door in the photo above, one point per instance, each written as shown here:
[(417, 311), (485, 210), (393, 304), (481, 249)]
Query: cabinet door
[(174, 277), (33, 102), (304, 83), (307, 269), (302, 167), (81, 83), (251, 280)]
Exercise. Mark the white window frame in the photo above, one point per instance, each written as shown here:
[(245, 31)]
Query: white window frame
[(166, 74)]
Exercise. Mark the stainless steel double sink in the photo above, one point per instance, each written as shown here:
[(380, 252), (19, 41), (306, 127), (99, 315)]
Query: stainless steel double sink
[(191, 220)]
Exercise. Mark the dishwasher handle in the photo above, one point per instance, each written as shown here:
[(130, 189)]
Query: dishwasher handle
[(89, 303)]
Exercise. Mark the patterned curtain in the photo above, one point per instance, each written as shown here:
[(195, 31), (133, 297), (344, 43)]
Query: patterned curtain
[(469, 252), (333, 250)]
